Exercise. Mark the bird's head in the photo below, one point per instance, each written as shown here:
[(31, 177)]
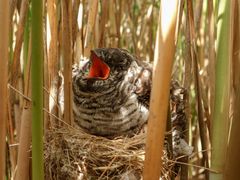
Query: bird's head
[(105, 61), (105, 67)]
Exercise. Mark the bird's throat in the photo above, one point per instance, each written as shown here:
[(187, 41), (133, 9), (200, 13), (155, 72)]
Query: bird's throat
[(98, 69)]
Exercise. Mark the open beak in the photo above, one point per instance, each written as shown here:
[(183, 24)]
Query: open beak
[(98, 69)]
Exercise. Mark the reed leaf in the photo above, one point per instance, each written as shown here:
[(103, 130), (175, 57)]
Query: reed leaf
[(222, 92)]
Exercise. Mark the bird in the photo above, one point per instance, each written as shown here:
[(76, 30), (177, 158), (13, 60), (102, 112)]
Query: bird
[(111, 96), (111, 93)]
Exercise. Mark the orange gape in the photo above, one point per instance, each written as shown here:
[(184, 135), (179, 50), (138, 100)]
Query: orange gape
[(98, 68)]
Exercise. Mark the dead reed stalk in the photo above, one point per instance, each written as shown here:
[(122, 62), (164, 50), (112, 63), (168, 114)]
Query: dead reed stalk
[(4, 58), (23, 161), (67, 57), (93, 7), (162, 69), (53, 57), (19, 40)]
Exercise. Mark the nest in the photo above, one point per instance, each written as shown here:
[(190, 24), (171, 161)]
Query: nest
[(74, 154), (71, 153)]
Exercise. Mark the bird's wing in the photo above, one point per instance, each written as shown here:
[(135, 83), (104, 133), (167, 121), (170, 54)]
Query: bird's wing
[(143, 82)]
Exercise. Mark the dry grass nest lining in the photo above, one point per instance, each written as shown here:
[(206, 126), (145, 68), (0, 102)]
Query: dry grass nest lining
[(73, 154)]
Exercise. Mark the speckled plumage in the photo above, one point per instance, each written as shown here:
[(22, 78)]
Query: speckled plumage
[(117, 105)]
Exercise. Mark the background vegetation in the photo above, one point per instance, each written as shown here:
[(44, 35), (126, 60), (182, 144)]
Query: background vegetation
[(207, 62)]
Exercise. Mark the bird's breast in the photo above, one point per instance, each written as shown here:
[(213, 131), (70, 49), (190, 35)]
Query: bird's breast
[(110, 115)]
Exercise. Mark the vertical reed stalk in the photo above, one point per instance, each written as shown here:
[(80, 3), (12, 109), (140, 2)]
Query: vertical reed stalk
[(212, 55), (197, 83), (37, 90), (112, 19), (67, 56), (75, 10), (19, 40), (104, 17), (222, 92), (4, 58), (25, 130), (53, 56), (79, 36), (233, 159), (163, 62), (93, 7)]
